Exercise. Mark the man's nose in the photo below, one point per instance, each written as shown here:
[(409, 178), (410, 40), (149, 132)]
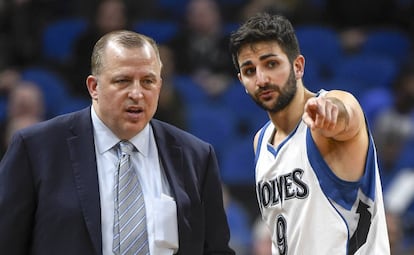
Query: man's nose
[(136, 90), (261, 78)]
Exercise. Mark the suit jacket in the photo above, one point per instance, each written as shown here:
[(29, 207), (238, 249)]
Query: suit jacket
[(49, 193)]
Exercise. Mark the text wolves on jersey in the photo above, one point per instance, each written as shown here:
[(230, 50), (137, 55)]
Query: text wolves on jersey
[(284, 187)]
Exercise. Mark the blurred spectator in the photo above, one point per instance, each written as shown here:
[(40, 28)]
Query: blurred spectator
[(395, 233), (9, 78), (16, 124), (394, 126), (26, 99), (399, 204), (110, 15), (393, 131), (201, 47), (201, 43), (262, 241), (25, 106), (171, 108)]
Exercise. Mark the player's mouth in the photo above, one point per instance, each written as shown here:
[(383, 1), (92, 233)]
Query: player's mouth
[(265, 94)]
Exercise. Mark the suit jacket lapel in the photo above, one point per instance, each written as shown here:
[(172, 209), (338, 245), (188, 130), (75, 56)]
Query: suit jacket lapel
[(82, 153)]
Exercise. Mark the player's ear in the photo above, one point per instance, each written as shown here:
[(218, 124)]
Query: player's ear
[(299, 67)]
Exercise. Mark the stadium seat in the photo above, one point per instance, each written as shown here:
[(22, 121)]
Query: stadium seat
[(59, 37), (249, 116), (54, 88), (3, 108), (189, 90), (212, 123), (374, 71), (355, 86), (175, 8), (237, 163), (374, 101), (387, 42), (320, 44), (160, 30), (74, 104)]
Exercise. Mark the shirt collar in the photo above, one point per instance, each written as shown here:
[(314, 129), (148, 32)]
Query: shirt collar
[(141, 140)]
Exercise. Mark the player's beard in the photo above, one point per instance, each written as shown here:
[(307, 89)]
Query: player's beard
[(286, 94)]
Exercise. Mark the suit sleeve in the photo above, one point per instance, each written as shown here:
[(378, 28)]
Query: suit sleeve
[(17, 199), (217, 230)]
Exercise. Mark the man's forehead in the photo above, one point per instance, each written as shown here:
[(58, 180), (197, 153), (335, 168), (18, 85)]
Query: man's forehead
[(259, 49), (260, 46)]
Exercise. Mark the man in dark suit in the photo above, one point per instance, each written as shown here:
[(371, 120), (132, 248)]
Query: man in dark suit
[(57, 177)]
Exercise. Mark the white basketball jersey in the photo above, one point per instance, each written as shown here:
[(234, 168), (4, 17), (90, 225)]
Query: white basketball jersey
[(308, 209)]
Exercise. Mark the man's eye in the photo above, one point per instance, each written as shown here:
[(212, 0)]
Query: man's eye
[(249, 71), (121, 81), (271, 64), (148, 83)]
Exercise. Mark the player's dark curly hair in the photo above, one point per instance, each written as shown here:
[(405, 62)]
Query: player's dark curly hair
[(264, 27)]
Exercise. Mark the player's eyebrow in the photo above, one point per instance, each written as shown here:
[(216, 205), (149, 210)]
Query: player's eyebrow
[(263, 57)]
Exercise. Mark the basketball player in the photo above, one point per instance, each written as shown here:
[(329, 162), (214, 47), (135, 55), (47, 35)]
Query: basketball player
[(317, 179)]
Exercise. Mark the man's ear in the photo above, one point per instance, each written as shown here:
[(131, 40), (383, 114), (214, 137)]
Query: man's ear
[(299, 67), (92, 85), (240, 78)]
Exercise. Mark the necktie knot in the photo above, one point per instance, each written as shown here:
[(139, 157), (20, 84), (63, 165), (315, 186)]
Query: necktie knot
[(125, 147)]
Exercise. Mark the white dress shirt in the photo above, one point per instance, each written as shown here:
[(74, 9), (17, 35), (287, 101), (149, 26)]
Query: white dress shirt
[(159, 204)]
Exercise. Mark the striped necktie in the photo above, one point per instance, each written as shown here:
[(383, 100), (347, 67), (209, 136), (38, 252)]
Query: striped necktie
[(130, 227)]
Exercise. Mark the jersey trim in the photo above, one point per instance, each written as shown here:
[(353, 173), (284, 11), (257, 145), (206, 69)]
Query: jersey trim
[(260, 140), (344, 193)]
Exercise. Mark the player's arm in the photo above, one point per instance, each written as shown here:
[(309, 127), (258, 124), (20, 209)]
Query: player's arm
[(336, 115), (338, 128)]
